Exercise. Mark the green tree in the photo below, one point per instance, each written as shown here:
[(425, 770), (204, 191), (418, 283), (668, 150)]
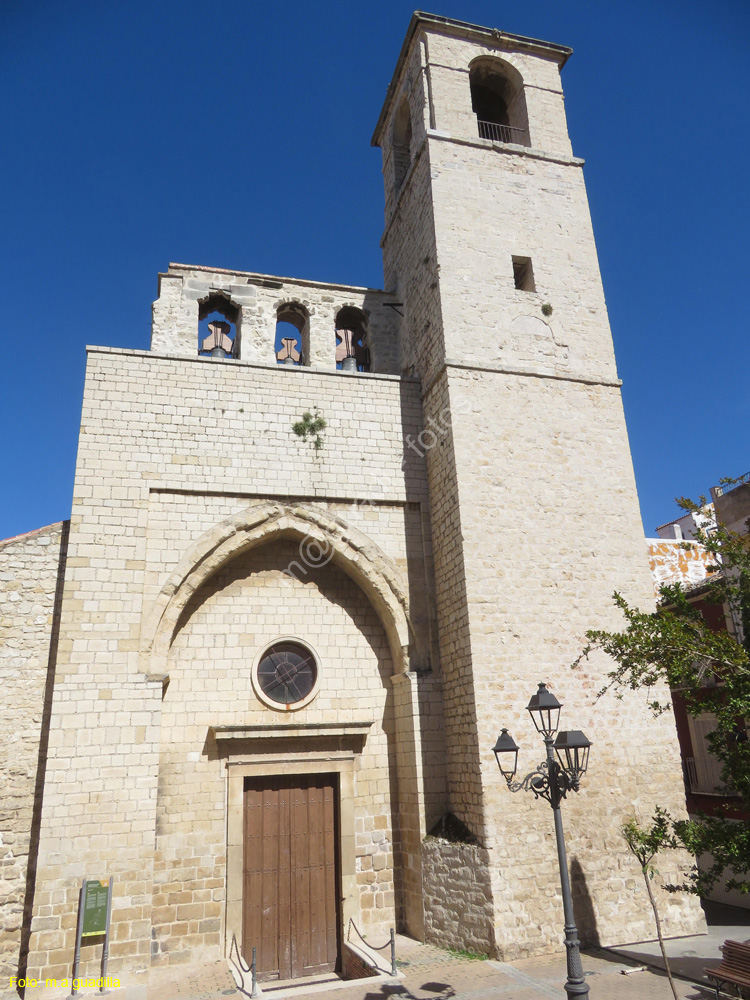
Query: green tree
[(644, 844), (711, 670)]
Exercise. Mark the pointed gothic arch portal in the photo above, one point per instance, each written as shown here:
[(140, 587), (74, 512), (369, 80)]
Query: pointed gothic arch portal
[(299, 540), (322, 539)]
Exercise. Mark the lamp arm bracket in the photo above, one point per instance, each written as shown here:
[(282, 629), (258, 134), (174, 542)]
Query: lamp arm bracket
[(537, 781), (549, 781)]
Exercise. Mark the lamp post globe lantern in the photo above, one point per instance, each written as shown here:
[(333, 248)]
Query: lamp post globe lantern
[(506, 755), (572, 749), (544, 710), (567, 758)]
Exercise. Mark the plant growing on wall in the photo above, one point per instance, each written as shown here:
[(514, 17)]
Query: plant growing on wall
[(711, 670), (644, 843), (311, 427)]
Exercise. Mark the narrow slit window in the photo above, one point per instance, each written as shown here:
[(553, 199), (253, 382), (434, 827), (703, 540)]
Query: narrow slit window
[(523, 274)]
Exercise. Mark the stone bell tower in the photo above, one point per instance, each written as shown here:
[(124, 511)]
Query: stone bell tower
[(489, 247)]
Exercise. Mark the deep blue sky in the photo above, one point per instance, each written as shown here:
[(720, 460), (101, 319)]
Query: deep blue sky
[(237, 134)]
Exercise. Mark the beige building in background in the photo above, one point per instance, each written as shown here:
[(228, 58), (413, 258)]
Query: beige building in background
[(251, 675)]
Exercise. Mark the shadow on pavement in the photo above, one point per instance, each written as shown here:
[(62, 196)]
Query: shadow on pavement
[(689, 956), (435, 991), (685, 966), (620, 958)]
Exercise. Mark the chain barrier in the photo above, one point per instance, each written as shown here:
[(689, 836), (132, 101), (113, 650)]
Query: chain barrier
[(389, 944)]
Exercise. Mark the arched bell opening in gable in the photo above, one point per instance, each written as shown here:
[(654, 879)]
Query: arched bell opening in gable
[(292, 341), (218, 327), (352, 352)]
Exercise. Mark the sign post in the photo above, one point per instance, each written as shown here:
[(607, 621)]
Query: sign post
[(79, 930), (95, 907), (94, 914)]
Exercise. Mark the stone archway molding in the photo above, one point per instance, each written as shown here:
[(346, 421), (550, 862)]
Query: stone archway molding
[(323, 538)]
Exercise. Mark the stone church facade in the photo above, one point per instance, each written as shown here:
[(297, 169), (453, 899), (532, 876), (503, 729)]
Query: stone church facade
[(254, 670)]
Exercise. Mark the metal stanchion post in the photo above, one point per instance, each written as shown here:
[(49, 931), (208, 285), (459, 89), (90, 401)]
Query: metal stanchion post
[(105, 950), (253, 978), (79, 933)]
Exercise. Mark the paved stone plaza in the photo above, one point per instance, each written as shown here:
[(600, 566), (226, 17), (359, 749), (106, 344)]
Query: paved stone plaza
[(430, 973)]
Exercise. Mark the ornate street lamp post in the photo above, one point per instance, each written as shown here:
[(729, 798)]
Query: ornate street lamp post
[(567, 759)]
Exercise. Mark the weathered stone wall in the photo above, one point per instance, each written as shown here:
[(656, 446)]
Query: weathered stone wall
[(30, 572), (258, 299), (458, 904), (733, 506), (449, 57), (535, 583), (411, 265), (422, 790), (523, 202), (169, 450), (534, 511)]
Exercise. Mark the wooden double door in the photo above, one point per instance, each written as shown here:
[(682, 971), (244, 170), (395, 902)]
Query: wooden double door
[(290, 891)]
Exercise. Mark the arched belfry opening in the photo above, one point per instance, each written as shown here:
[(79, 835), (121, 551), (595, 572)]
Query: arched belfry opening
[(498, 101), (218, 327), (352, 352), (401, 144), (292, 341)]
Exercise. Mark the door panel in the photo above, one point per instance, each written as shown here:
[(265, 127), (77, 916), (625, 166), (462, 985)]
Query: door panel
[(290, 899)]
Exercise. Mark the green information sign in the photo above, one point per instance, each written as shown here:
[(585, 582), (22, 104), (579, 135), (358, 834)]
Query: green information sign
[(95, 899)]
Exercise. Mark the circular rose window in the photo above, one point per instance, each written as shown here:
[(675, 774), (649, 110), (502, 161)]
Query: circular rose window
[(286, 674)]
